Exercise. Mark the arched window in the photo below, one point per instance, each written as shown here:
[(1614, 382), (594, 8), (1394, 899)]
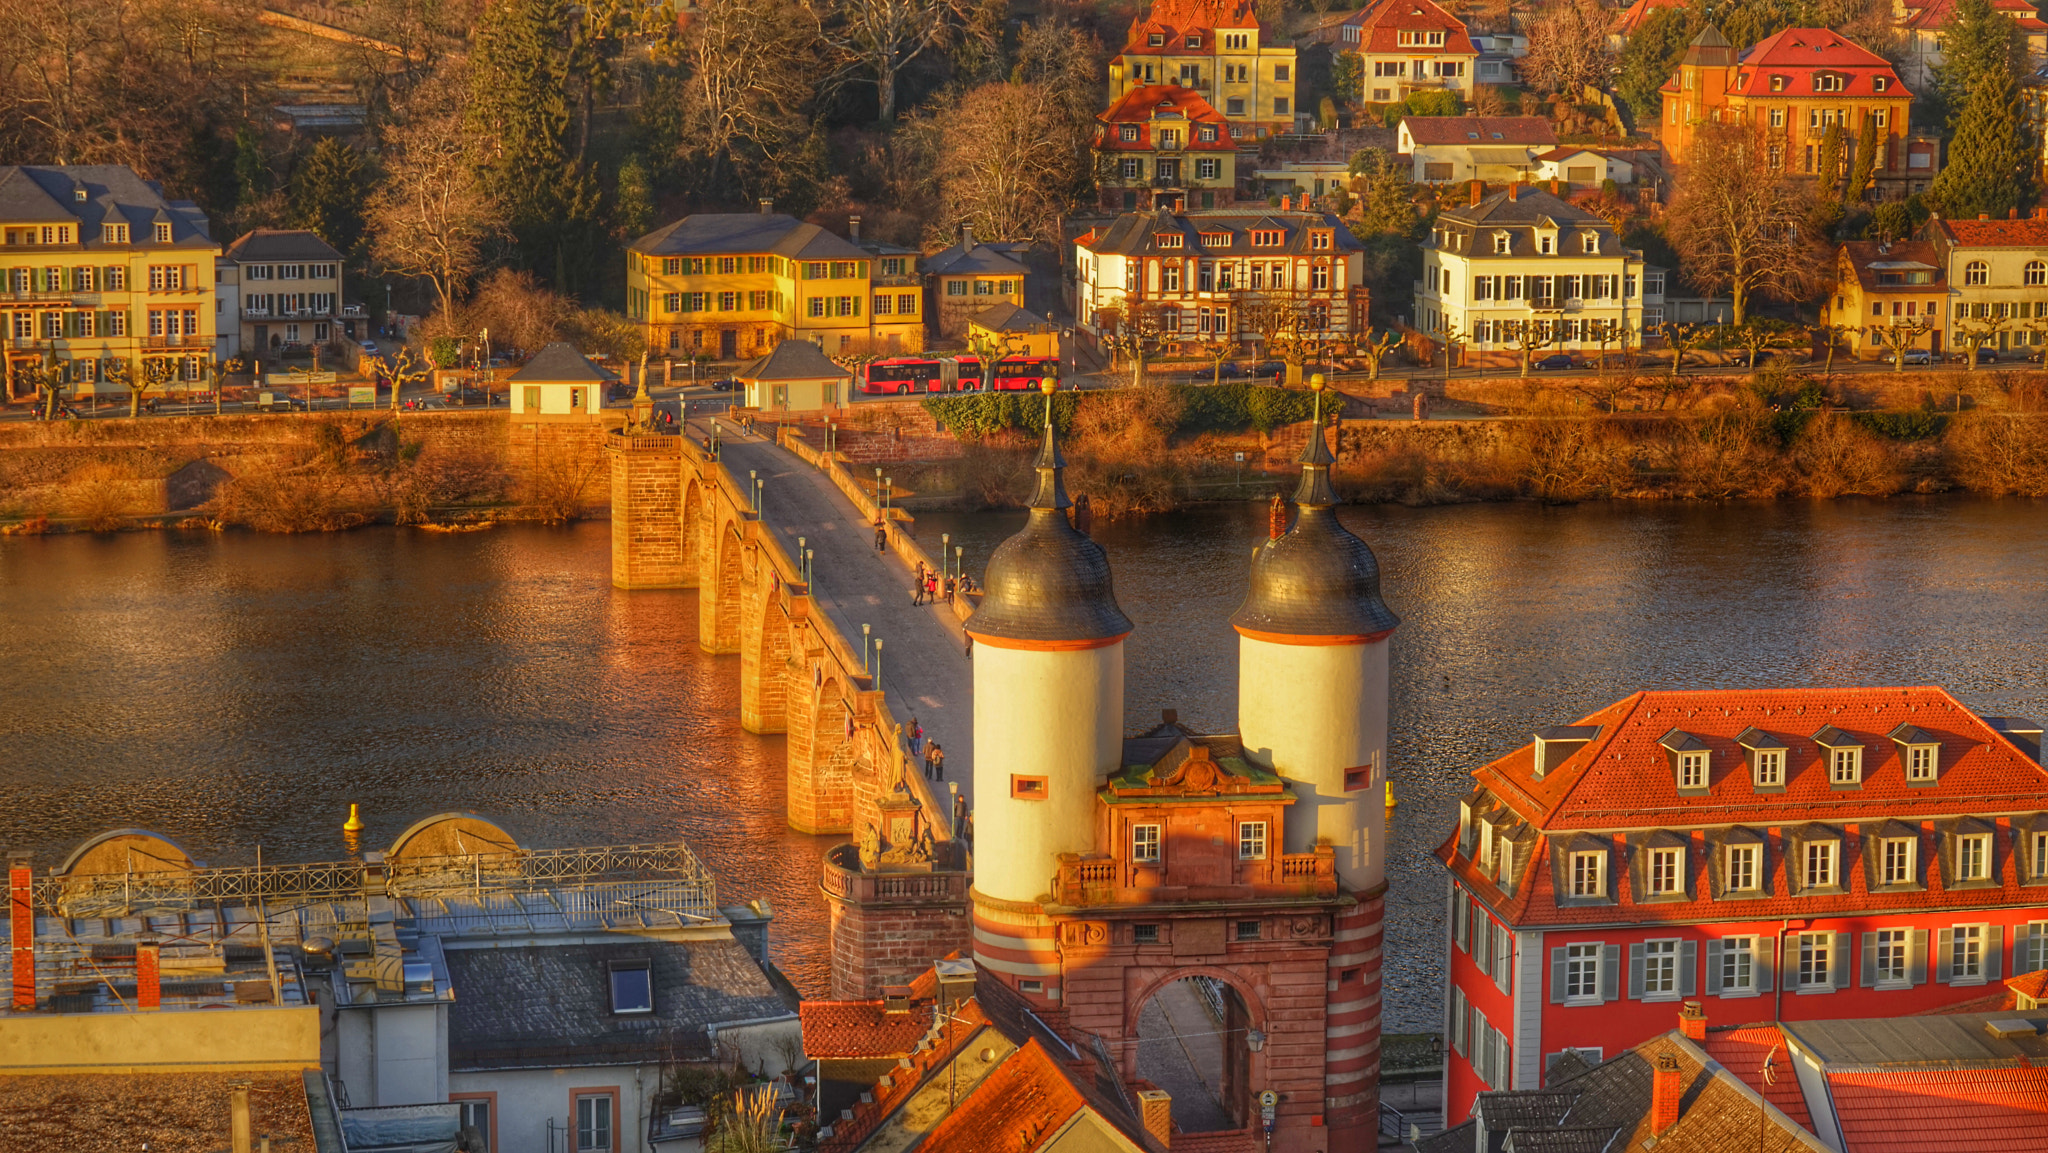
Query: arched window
[(1976, 272), (2037, 273)]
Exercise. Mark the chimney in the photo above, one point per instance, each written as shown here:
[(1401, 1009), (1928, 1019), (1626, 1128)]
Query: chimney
[(1556, 186), (1664, 1094), (2041, 213), (21, 919), (238, 1116), (955, 982), (1515, 190), (1478, 191), (1692, 1021), (896, 998), (767, 206), (1170, 716), (2012, 214), (853, 228), (1155, 1108), (149, 985), (967, 238), (1983, 216)]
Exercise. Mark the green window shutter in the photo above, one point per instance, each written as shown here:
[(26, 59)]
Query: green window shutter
[(1944, 940), (1765, 963), (1688, 968), (1868, 969), (1557, 970), (1916, 960), (1714, 950), (1994, 951), (1610, 972), (1635, 972), (1838, 963)]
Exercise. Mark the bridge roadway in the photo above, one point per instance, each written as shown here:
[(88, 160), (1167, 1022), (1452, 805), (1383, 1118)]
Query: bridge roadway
[(926, 672)]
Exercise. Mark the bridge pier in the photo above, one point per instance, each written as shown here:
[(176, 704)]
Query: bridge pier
[(764, 652), (718, 589), (650, 549)]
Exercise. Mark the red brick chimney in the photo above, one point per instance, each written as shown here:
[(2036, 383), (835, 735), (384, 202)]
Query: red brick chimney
[(21, 920), (1983, 216), (1478, 191), (1556, 186), (1692, 1021), (2012, 214), (149, 985), (1156, 1105), (1515, 190), (1665, 1089)]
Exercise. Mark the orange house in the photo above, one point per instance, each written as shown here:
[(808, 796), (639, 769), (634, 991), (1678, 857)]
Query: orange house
[(1795, 85)]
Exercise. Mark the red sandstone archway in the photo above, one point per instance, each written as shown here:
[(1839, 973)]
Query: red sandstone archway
[(693, 531), (1190, 1034), (723, 597)]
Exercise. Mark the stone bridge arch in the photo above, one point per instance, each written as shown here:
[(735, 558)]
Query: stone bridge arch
[(764, 651), (718, 591), (821, 754), (695, 498)]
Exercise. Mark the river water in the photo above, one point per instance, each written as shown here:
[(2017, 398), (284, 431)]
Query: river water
[(235, 690)]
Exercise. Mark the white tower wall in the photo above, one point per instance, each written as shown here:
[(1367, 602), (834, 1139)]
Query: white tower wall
[(1057, 714), (1312, 712)]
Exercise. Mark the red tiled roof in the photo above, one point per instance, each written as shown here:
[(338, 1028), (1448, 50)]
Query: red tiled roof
[(1933, 15), (1622, 780), (1459, 129), (2028, 233), (1945, 1111), (1141, 104), (1862, 254), (1176, 18), (855, 1029), (1025, 1101), (957, 1029), (1633, 17), (1799, 53), (1744, 1050), (1381, 25), (2034, 984)]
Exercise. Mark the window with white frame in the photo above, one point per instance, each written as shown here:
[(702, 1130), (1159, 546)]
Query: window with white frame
[(1920, 762), (1502, 243), (2039, 852), (1665, 873), (1845, 766), (163, 234), (594, 1123), (1816, 960), (1966, 954), (1660, 969), (1251, 840), (1145, 843), (1742, 871), (1819, 864), (1589, 874), (1589, 242), (1738, 964), (632, 987), (1976, 274), (1973, 857), (475, 1113), (1582, 972), (1894, 947), (1897, 867), (1692, 770), (1770, 767)]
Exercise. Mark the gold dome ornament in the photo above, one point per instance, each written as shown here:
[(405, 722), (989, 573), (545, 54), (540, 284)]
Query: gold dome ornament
[(1048, 384)]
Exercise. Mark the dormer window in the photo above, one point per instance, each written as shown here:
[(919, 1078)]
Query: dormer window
[(1817, 864), (1589, 874), (1192, 42), (1557, 743), (1777, 83), (1127, 132), (1741, 871), (163, 234), (1688, 760), (1920, 752), (78, 194), (1502, 243), (1206, 133), (1665, 875), (1897, 862), (1168, 239), (1156, 40), (1547, 243), (1320, 239), (1589, 242), (1766, 758), (1880, 83), (1827, 82), (1844, 756), (1973, 857)]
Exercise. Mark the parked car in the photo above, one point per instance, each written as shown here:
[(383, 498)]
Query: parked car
[(1232, 369), (370, 346), (1557, 360), (725, 384), (1912, 356), (1985, 355), (1267, 370)]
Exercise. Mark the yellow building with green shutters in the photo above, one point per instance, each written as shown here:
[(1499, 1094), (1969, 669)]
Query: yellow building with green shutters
[(728, 286)]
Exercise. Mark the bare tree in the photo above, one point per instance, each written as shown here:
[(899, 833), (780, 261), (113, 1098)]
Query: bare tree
[(1007, 162), (1375, 352), (1977, 332), (1681, 339), (747, 79), (431, 216), (1737, 222), (1831, 336), (883, 37), (1897, 337), (1528, 336), (1293, 327), (1568, 47)]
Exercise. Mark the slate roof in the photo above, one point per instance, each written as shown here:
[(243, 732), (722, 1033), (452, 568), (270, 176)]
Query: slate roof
[(1862, 254), (1799, 54), (44, 194), (560, 362), (793, 360), (280, 244), (2031, 232), (1217, 233), (983, 258), (759, 233), (1622, 780), (1381, 24), (549, 1006), (1007, 317), (1520, 218), (1480, 130)]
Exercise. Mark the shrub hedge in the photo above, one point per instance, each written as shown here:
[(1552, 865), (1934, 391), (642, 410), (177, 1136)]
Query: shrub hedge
[(1231, 407)]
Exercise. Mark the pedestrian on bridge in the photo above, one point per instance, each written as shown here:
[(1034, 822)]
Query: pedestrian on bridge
[(917, 587), (916, 736), (881, 536), (935, 762)]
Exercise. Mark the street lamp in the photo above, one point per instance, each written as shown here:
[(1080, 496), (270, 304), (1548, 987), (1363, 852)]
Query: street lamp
[(959, 568), (864, 643), (878, 662), (810, 567), (888, 484), (945, 542), (878, 488)]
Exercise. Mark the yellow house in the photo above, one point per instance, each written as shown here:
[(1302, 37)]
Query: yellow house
[(1018, 332), (732, 285), (101, 275), (1880, 285), (1213, 47), (972, 276)]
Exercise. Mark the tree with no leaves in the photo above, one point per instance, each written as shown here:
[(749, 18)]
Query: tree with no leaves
[(1737, 223), (747, 64), (432, 216), (883, 37), (1007, 163), (1568, 47)]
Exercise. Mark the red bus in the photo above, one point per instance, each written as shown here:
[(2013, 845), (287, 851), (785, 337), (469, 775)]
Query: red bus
[(903, 375)]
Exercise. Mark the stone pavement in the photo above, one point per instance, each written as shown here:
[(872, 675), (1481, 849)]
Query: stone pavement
[(1181, 1052), (925, 670)]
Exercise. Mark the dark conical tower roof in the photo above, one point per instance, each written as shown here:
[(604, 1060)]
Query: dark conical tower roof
[(1049, 582), (1316, 579)]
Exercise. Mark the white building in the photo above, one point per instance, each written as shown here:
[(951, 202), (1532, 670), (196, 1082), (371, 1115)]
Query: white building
[(1498, 149), (558, 381), (1525, 260), (1409, 46), (1583, 168)]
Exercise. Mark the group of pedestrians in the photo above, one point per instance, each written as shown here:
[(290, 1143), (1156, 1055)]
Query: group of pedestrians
[(934, 756), (930, 587)]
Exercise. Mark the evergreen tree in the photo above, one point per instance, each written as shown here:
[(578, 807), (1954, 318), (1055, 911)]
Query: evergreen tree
[(252, 173), (1651, 57), (1867, 144), (327, 193), (1828, 171), (1978, 40), (519, 113), (1988, 158), (633, 213)]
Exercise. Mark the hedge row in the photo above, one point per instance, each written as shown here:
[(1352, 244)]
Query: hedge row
[(1231, 407)]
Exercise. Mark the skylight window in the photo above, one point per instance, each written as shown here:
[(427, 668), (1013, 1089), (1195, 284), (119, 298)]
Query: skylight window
[(632, 988)]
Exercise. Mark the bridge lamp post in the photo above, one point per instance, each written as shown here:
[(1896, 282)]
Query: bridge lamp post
[(945, 543), (959, 566), (801, 574), (878, 488), (878, 662), (864, 644), (754, 488), (888, 485), (810, 568)]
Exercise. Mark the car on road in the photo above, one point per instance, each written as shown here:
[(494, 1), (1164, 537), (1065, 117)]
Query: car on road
[(369, 346), (1985, 355), (725, 384), (1911, 355), (1557, 360)]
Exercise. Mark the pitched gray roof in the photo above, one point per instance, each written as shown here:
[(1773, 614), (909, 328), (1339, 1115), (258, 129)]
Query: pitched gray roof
[(793, 360), (1133, 232), (560, 362), (984, 259), (1533, 206), (280, 244), (550, 1005), (1007, 317), (718, 233), (113, 193)]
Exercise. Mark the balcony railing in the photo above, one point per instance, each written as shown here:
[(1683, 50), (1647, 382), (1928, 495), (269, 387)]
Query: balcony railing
[(177, 342), (1167, 181), (1169, 144), (288, 314), (845, 880), (1098, 880), (38, 297)]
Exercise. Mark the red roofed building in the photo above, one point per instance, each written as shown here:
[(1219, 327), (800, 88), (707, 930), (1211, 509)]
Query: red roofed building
[(1997, 273), (1212, 47), (1795, 85), (1409, 46), (1795, 854), (1633, 16), (1921, 24), (1163, 146)]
